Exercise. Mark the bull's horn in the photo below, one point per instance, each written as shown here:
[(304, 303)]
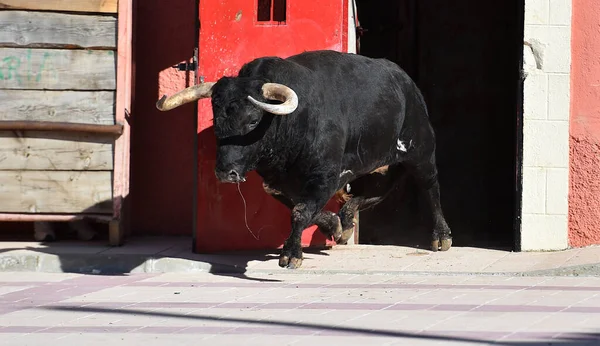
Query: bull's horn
[(279, 92), (186, 95)]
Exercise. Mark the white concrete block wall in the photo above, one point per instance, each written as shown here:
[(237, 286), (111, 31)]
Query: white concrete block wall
[(351, 26), (547, 63)]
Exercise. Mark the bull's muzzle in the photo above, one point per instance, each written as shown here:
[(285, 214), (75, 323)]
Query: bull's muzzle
[(230, 176)]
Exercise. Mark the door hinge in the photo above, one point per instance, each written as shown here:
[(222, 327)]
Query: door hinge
[(191, 66)]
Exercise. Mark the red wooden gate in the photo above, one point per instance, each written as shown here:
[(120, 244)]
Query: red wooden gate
[(232, 33)]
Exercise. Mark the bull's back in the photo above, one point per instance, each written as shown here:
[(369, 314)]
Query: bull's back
[(362, 100), (368, 98)]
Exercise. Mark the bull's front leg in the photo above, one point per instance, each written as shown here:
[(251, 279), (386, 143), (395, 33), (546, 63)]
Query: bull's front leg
[(303, 215), (291, 254)]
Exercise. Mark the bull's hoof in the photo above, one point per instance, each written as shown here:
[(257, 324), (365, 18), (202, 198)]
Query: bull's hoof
[(290, 263), (346, 234), (294, 263), (444, 244), (339, 232), (284, 261)]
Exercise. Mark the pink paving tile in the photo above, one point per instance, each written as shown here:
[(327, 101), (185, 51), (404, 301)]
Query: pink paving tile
[(501, 321), (352, 340), (369, 286), (345, 306), (10, 289), (246, 340), (54, 292), (587, 255), (348, 306), (317, 311), (379, 320), (562, 323)]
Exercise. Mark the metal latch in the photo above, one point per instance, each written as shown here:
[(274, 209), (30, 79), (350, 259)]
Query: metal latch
[(191, 66), (186, 66)]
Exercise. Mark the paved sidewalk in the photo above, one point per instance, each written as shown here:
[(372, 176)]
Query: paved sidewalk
[(168, 255), (297, 309)]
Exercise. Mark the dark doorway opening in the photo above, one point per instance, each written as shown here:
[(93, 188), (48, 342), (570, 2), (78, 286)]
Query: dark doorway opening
[(466, 58)]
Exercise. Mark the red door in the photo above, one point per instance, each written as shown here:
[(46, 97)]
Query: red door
[(232, 33)]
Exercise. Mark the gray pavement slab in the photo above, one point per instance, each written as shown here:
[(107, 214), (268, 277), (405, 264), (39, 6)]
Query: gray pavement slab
[(297, 309)]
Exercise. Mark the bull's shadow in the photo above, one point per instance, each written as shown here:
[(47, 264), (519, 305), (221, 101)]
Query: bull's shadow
[(138, 254)]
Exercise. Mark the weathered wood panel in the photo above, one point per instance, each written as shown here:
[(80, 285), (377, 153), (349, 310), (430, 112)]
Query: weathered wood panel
[(55, 192), (97, 107), (101, 6), (58, 69), (46, 29), (55, 151)]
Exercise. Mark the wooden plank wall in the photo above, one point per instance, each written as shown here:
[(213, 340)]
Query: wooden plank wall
[(57, 63), (100, 6)]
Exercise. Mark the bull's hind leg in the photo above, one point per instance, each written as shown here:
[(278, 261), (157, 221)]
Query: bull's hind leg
[(368, 191), (427, 177)]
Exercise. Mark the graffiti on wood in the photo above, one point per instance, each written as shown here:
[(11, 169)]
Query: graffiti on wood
[(27, 68)]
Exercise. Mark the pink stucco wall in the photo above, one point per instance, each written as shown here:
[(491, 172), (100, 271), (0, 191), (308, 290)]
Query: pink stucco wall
[(584, 193)]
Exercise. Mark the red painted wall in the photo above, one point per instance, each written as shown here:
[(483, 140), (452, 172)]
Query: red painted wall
[(584, 194), (162, 144), (230, 37)]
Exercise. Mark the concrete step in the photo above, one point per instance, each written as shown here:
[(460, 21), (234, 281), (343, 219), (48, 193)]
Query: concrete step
[(174, 255)]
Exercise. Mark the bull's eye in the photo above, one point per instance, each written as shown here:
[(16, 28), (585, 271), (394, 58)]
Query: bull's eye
[(253, 123)]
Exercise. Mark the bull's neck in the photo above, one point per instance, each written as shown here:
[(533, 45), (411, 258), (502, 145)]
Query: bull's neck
[(282, 146)]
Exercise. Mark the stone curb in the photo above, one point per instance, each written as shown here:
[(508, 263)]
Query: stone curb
[(138, 264)]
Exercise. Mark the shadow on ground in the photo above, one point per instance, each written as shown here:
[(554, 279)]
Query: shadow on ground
[(272, 326), (138, 255)]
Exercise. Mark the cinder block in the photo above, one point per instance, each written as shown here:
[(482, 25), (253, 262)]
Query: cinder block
[(535, 96), (555, 46), (537, 11), (534, 190), (559, 97), (544, 232), (560, 12), (545, 143), (557, 191)]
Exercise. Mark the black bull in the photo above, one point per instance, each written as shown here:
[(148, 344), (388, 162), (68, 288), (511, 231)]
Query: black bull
[(311, 124)]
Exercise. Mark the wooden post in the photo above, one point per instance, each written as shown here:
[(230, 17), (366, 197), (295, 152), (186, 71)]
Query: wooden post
[(120, 224)]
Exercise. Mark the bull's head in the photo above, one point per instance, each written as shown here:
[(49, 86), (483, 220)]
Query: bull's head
[(240, 119)]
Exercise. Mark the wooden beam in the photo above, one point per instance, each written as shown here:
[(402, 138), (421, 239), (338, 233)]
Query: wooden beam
[(97, 107), (100, 6), (55, 151), (14, 217), (57, 69), (57, 30), (60, 127), (121, 226), (55, 192)]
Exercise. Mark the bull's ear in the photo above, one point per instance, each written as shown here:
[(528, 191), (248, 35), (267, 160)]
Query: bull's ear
[(184, 96), (277, 92)]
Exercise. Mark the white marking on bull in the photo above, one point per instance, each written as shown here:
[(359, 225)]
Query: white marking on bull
[(345, 172), (347, 188), (400, 146)]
